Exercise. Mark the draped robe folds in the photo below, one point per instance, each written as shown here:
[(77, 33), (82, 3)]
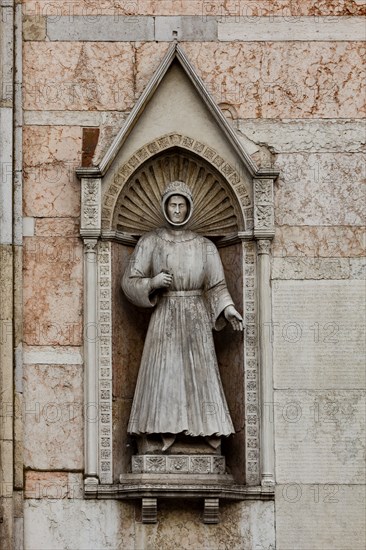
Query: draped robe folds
[(179, 389)]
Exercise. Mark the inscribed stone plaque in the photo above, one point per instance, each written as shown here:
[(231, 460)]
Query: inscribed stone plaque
[(319, 334), (320, 436)]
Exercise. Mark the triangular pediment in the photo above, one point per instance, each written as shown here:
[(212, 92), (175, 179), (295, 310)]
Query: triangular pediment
[(176, 100), (176, 130)]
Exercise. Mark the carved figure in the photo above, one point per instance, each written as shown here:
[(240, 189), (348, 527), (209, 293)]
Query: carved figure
[(179, 273)]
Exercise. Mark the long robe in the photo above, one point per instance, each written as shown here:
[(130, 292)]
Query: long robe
[(179, 387)]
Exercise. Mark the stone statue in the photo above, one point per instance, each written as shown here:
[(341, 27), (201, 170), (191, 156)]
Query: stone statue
[(179, 274)]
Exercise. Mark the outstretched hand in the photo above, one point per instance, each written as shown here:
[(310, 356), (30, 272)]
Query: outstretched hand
[(234, 318)]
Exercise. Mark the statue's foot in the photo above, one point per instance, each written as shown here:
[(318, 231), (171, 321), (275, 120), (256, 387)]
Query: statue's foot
[(213, 441), (168, 441)]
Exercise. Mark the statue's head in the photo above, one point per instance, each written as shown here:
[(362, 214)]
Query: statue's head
[(177, 203)]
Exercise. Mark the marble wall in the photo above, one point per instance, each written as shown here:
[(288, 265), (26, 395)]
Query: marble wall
[(290, 77)]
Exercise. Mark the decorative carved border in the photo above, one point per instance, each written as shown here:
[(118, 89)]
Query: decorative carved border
[(105, 362), (263, 208), (251, 380), (90, 206), (166, 142), (251, 366)]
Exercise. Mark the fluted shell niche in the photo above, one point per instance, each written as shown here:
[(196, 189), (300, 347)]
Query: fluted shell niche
[(216, 211)]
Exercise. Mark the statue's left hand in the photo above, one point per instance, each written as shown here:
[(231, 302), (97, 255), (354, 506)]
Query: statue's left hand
[(234, 318)]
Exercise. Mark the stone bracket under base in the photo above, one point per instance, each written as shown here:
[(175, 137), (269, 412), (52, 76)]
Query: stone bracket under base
[(211, 510), (149, 510)]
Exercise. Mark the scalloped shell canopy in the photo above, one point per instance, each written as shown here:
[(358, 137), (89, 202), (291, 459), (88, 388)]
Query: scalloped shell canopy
[(138, 207)]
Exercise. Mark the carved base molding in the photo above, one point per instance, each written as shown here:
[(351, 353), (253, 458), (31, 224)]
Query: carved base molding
[(178, 464), (149, 487), (134, 486)]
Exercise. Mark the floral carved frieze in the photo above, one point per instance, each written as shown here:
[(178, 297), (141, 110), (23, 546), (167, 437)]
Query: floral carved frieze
[(179, 464)]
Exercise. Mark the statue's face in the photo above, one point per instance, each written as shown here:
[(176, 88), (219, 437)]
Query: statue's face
[(177, 209)]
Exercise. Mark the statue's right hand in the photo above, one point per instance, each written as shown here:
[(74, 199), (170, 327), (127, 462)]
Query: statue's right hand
[(163, 280)]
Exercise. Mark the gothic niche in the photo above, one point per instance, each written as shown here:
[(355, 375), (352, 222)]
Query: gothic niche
[(218, 217)]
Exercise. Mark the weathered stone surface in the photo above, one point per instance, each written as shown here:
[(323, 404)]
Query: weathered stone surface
[(293, 136), (53, 268), (320, 436), (103, 28), (320, 516), (318, 337), (242, 525), (7, 53), (52, 355), (53, 417), (34, 28), (53, 485), (18, 533), (148, 57), (246, 10), (250, 76), (320, 189), (323, 242), (78, 76), (7, 525), (6, 468), (271, 80), (46, 485), (57, 227), (18, 440), (6, 283), (74, 118), (87, 524), (358, 268), (310, 268), (292, 28), (6, 163), (18, 504), (51, 155), (198, 29)]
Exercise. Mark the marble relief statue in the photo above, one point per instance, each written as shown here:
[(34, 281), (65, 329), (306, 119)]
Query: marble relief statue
[(179, 274)]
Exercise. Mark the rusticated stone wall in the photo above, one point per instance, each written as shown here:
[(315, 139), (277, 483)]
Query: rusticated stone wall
[(290, 76)]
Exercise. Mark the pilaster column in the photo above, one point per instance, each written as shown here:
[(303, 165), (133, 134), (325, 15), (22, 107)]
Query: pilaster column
[(91, 363), (266, 364)]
